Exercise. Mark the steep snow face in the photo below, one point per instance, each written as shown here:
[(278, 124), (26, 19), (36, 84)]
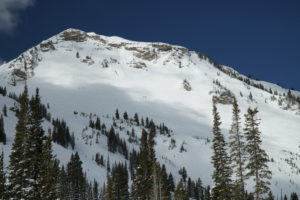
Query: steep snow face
[(90, 73)]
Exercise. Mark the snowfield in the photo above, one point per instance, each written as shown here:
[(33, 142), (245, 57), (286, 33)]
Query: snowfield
[(90, 73)]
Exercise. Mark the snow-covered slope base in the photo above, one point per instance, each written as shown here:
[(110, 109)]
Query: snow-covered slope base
[(89, 73)]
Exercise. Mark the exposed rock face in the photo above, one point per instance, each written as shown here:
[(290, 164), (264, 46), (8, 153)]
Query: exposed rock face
[(186, 85), (162, 47), (74, 35), (46, 46)]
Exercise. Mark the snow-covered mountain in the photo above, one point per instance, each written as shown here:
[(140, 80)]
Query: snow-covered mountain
[(83, 76)]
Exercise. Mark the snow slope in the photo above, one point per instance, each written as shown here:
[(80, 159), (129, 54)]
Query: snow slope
[(90, 73)]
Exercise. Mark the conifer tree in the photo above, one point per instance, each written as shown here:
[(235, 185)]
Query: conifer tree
[(111, 140), (109, 195), (258, 159), (119, 177), (270, 196), (220, 161), (142, 182), (125, 116), (16, 166), (117, 115), (48, 177), (237, 153), (4, 109), (2, 131), (76, 177), (180, 193), (33, 148), (171, 184), (2, 177), (165, 191), (294, 196), (63, 187), (95, 190)]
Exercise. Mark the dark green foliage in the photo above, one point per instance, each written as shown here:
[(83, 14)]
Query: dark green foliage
[(119, 177), (111, 140), (136, 119), (258, 159), (294, 196), (99, 159), (4, 110), (2, 177), (125, 116), (33, 146), (171, 184), (221, 162), (16, 167), (183, 174), (237, 154), (3, 91), (98, 124), (116, 144), (48, 176), (270, 196), (2, 131), (142, 182), (180, 193), (61, 134), (117, 115), (75, 177)]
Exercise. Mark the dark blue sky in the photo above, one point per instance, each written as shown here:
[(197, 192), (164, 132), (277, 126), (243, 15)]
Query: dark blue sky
[(257, 37)]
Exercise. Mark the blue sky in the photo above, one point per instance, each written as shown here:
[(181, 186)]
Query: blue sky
[(261, 38)]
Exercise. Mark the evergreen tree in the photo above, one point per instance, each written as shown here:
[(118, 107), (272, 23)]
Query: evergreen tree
[(180, 193), (285, 197), (125, 116), (294, 196), (2, 177), (2, 131), (119, 176), (16, 166), (117, 115), (237, 154), (220, 161), (63, 187), (171, 184), (95, 190), (111, 140), (98, 124), (33, 148), (4, 109), (258, 159), (165, 191), (109, 195), (270, 196), (76, 177), (142, 182), (48, 177), (136, 119)]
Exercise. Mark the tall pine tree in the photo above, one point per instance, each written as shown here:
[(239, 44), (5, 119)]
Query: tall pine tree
[(48, 176), (142, 182), (221, 161), (16, 167), (2, 131), (2, 177), (33, 148), (237, 154), (258, 159)]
